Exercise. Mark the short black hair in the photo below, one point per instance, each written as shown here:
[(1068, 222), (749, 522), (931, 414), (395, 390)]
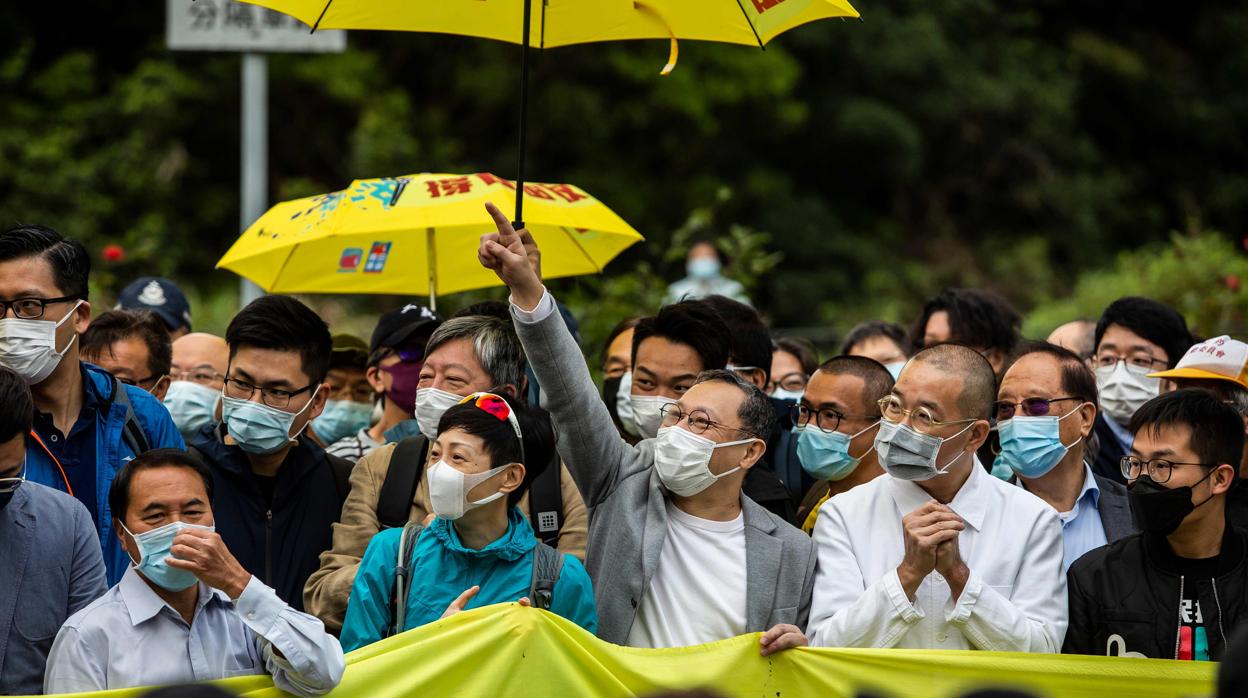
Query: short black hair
[(119, 325), (284, 324), (1156, 322), (498, 309), (750, 339), (1078, 381), (71, 265), (977, 318), (1217, 430), (877, 381), (756, 414), (620, 328), (877, 328), (500, 438), (119, 490), (979, 383), (17, 407), (802, 349), (693, 324)]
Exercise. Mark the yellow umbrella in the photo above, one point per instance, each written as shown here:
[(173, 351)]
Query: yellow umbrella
[(567, 22), (418, 234)]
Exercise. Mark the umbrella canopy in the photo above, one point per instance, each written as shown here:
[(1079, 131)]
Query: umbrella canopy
[(567, 22), (418, 235)]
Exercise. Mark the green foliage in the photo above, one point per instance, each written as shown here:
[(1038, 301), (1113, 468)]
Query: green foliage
[(1201, 276)]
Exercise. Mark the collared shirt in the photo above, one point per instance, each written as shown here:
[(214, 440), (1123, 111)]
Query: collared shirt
[(1014, 600), (1082, 528), (353, 448), (131, 637), (1125, 437), (76, 452)]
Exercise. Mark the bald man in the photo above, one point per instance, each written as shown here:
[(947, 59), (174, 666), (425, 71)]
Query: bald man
[(938, 554), (199, 365), (1078, 337)]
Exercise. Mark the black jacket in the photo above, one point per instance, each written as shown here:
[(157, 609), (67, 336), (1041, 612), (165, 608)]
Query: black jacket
[(1109, 451), (1126, 598), (281, 545)]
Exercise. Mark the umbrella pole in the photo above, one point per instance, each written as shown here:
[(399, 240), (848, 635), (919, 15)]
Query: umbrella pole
[(518, 223), (433, 271)]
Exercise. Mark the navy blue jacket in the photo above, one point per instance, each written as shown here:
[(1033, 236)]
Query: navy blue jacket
[(280, 544)]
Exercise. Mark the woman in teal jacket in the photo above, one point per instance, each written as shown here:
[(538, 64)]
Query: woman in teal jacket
[(479, 550)]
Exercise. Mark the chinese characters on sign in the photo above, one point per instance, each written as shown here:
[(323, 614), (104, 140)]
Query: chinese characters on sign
[(451, 186), (230, 25)]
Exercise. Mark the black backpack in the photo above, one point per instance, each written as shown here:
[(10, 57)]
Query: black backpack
[(407, 463), (547, 565)]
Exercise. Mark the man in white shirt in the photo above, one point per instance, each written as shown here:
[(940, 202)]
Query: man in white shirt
[(187, 610), (940, 554)]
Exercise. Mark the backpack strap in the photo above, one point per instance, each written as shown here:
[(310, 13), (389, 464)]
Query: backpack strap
[(342, 475), (131, 432), (403, 575), (546, 502), (547, 564), (407, 462)]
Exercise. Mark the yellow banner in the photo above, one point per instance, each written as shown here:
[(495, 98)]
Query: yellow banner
[(507, 650)]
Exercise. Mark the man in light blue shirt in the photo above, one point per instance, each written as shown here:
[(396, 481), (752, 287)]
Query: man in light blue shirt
[(1046, 410), (187, 610)]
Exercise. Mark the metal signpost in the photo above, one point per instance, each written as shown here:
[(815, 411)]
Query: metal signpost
[(229, 25)]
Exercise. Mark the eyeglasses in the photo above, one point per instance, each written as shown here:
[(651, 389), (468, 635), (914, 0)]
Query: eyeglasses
[(138, 382), (8, 485), (921, 418), (30, 308), (1141, 360), (1032, 407), (698, 420), (1158, 469), (795, 382), (273, 397), (203, 376), (827, 419)]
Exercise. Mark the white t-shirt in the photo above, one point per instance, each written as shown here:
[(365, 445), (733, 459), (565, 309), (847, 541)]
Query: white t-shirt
[(697, 593)]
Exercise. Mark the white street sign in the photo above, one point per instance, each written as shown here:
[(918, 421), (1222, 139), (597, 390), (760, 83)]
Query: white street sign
[(229, 25)]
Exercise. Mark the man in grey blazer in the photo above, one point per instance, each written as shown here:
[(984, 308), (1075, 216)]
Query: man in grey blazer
[(677, 554), (1046, 411), (50, 561)]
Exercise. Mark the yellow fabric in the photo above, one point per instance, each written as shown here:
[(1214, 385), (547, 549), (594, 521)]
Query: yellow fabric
[(809, 524), (418, 235), (566, 22), (507, 650)]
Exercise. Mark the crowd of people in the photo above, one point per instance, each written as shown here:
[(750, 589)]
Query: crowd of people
[(177, 506)]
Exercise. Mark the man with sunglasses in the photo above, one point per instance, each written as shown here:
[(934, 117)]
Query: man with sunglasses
[(87, 423), (1046, 408), (278, 493), (51, 565), (1176, 589), (940, 554), (678, 555)]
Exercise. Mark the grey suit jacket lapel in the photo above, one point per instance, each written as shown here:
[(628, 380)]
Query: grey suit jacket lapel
[(15, 544), (762, 565), (655, 532), (1114, 509)]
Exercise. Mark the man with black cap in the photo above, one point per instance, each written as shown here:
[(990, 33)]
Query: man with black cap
[(161, 296), (396, 354)]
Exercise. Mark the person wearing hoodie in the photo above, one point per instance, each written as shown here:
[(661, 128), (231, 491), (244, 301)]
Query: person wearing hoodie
[(479, 549)]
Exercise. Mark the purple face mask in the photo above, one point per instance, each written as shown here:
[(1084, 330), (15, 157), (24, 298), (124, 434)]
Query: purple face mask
[(404, 376)]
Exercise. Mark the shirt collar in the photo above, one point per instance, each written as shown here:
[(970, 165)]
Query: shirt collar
[(1090, 489), (967, 503), (143, 604)]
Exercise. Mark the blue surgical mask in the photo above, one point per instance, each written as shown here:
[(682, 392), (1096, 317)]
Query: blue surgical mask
[(703, 268), (825, 455), (895, 368), (342, 418), (154, 546), (258, 428), (1032, 446), (191, 405)]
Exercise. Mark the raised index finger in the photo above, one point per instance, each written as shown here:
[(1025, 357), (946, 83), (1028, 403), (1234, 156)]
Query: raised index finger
[(505, 232)]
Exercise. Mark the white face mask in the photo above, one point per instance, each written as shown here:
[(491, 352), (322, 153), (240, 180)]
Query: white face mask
[(1124, 389), (648, 413), (449, 488), (431, 404), (683, 460), (782, 394), (908, 455), (624, 405), (28, 347)]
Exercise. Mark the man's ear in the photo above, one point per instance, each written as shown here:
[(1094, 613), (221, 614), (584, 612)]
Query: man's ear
[(318, 401), (979, 434), (1222, 478), (161, 388), (753, 453), (373, 375), (1087, 416), (82, 317)]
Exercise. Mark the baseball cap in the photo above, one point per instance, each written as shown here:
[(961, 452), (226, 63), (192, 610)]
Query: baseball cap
[(348, 350), (397, 326), (1220, 358), (161, 296)]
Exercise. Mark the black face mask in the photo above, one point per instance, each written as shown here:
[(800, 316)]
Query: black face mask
[(610, 389), (1160, 510)]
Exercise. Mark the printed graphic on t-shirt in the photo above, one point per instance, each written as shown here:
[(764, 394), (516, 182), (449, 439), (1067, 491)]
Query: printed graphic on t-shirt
[(1193, 641)]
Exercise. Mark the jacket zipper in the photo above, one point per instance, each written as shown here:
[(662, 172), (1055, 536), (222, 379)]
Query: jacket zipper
[(1178, 631), (1218, 603), (268, 547)]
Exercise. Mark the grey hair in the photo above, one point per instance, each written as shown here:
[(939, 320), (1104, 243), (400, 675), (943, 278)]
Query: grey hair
[(756, 414), (494, 341)]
